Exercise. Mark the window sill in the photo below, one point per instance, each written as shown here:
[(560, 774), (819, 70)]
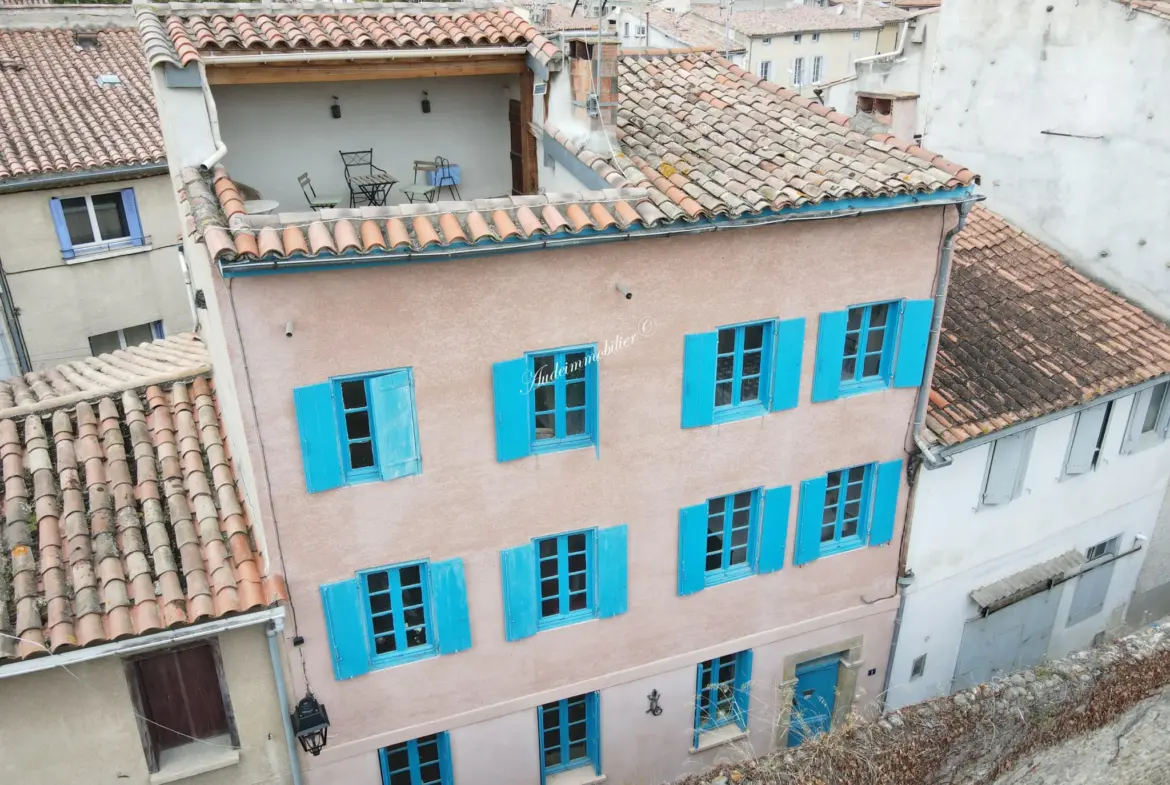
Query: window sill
[(94, 256), (726, 576), (568, 619), (852, 544), (552, 445), (742, 412), (860, 388), (198, 757), (718, 737), (580, 775), (382, 661)]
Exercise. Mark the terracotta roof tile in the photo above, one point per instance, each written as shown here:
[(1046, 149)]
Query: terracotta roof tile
[(56, 117), (181, 34), (1158, 8), (139, 525), (1024, 335), (798, 19)]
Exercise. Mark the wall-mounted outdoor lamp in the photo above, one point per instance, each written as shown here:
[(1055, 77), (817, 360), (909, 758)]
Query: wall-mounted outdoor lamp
[(311, 724), (654, 709), (335, 110), (426, 103)]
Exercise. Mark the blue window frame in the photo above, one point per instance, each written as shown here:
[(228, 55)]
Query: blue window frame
[(721, 693), (742, 368), (356, 426), (566, 574), (397, 605), (96, 223), (422, 761), (870, 336), (847, 501), (569, 734), (732, 532), (563, 404)]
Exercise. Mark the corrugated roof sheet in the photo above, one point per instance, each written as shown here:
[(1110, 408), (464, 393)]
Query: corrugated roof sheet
[(1024, 334), (56, 117), (1027, 581)]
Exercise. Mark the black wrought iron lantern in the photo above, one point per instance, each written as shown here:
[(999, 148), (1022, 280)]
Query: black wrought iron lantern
[(311, 724)]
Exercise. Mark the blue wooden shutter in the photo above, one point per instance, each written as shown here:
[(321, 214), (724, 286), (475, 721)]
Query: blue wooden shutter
[(786, 369), (449, 606), (395, 428), (133, 222), (808, 523), (698, 399), (692, 548), (346, 623), (62, 228), (518, 571), (593, 406), (743, 687), (612, 571), (510, 387), (593, 728), (913, 341), (774, 529), (830, 353), (444, 758), (320, 440), (885, 502)]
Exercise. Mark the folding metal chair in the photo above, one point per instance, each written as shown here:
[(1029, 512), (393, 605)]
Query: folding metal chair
[(316, 202)]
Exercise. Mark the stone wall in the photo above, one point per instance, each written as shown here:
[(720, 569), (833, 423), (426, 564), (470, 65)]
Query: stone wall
[(976, 735)]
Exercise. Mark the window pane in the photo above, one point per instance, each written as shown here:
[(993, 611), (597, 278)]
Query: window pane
[(753, 336), (397, 757), (576, 710), (575, 394), (751, 363), (854, 319), (743, 500), (1157, 397), (831, 496), (416, 637), (852, 510), (552, 756), (379, 603), (577, 562), (872, 366), (409, 576), (548, 547), (111, 216), (377, 581), (723, 393), (412, 596), (139, 333), (361, 455), (851, 344), (385, 644), (726, 341), (875, 340), (77, 221), (715, 506), (357, 425), (827, 533), (830, 515), (849, 528), (428, 749), (877, 315), (353, 394), (577, 582), (544, 367), (550, 607), (575, 423), (724, 367), (575, 365), (548, 568), (577, 751), (550, 587), (546, 398), (578, 601), (545, 426), (749, 390), (384, 624), (401, 778), (104, 343), (848, 369), (430, 774)]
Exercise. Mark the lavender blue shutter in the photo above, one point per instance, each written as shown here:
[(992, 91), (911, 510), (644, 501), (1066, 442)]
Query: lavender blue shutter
[(913, 341), (808, 522), (510, 388), (612, 571), (61, 228), (692, 549), (698, 398), (518, 576), (774, 529), (320, 440), (395, 427), (786, 368), (133, 222), (449, 606), (885, 502), (830, 353), (346, 624)]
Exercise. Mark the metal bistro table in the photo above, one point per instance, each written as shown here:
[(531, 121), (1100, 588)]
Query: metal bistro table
[(374, 188)]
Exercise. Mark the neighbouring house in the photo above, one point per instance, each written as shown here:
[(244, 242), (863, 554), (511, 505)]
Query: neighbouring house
[(89, 211), (658, 28), (553, 18), (1045, 463), (138, 610), (1048, 100), (657, 371)]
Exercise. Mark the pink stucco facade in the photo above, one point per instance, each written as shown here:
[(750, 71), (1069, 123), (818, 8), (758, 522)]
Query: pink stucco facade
[(450, 321)]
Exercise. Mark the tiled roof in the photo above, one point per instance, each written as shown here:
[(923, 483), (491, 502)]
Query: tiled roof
[(885, 12), (693, 29), (1159, 8), (55, 117), (1024, 334), (559, 17), (799, 19), (184, 33), (707, 138), (401, 228), (122, 518)]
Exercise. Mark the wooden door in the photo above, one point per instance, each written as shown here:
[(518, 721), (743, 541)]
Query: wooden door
[(517, 146)]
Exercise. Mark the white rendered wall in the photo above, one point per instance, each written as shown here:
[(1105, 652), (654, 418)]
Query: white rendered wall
[(956, 548), (275, 132), (1010, 70)]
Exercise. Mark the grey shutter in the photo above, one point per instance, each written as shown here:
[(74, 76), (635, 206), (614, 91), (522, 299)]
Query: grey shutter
[(1005, 475), (1085, 437), (1089, 595)]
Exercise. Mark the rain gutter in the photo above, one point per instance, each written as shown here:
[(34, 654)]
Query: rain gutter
[(375, 54)]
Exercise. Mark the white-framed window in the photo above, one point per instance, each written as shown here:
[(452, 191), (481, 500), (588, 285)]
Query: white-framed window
[(127, 336), (765, 69), (96, 222), (797, 38), (767, 40), (816, 37), (1007, 462), (818, 69), (798, 72), (1148, 418), (640, 31), (856, 35), (626, 30), (1084, 448)]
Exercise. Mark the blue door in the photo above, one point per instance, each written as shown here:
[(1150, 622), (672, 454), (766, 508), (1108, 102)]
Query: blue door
[(812, 703)]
